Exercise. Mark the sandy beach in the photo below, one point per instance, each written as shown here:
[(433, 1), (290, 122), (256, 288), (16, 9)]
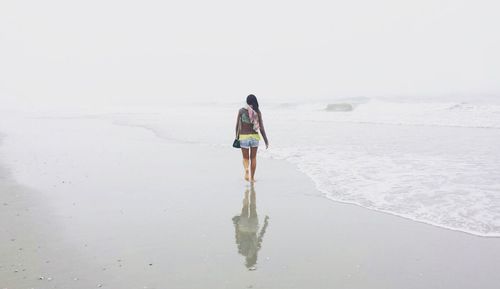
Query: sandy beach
[(117, 120), (100, 205)]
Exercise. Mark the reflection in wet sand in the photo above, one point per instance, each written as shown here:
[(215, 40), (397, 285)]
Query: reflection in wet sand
[(246, 225)]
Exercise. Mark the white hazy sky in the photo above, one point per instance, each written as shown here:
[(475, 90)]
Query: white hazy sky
[(113, 52)]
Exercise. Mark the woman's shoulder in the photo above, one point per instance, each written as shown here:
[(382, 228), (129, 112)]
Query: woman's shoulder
[(242, 110)]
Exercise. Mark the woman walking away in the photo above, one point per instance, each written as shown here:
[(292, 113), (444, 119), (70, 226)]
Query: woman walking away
[(248, 125)]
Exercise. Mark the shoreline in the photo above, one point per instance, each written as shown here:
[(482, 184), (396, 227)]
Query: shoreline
[(148, 201)]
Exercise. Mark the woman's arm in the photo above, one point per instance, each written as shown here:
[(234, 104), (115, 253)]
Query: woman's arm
[(263, 130), (238, 122)]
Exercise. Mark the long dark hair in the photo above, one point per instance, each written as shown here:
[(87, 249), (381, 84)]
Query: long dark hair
[(252, 100)]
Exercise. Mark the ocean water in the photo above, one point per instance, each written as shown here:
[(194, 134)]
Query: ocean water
[(432, 162), (436, 162)]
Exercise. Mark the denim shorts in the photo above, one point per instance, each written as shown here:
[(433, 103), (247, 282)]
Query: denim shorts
[(249, 143)]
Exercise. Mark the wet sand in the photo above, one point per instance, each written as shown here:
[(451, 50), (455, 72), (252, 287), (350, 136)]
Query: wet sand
[(90, 204)]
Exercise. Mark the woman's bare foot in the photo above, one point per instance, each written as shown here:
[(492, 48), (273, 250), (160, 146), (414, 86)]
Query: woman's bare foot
[(253, 180), (246, 176)]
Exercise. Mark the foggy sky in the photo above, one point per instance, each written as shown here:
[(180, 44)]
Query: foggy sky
[(113, 52)]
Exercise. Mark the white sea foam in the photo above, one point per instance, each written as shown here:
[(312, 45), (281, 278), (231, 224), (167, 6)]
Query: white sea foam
[(451, 193)]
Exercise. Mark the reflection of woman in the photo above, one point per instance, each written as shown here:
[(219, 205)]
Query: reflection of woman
[(246, 225)]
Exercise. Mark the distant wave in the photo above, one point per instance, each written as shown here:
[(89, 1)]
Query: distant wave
[(468, 107), (158, 132), (339, 107), (400, 123), (396, 113)]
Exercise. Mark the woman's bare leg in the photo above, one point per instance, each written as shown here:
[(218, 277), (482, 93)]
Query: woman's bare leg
[(253, 157), (246, 159)]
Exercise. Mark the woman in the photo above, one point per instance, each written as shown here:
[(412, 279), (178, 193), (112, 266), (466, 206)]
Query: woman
[(248, 125)]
